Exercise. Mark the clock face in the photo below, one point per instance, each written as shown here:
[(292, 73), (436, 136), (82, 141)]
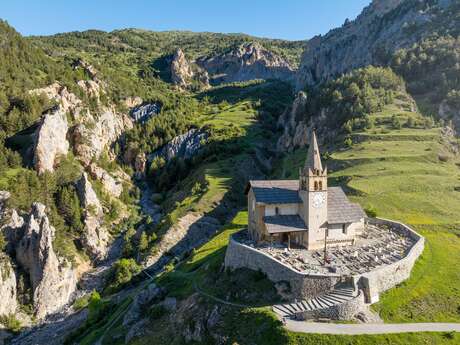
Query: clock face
[(319, 199)]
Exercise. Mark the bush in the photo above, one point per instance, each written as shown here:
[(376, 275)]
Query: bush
[(348, 142), (11, 323), (371, 211), (122, 272)]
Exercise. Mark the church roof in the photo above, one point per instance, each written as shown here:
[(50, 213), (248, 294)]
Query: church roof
[(284, 223), (313, 161), (339, 208)]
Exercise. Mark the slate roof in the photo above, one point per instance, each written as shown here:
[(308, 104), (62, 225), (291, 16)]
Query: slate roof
[(339, 208), (276, 191), (284, 223)]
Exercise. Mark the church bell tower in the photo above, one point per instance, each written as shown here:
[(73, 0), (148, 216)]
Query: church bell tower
[(313, 192)]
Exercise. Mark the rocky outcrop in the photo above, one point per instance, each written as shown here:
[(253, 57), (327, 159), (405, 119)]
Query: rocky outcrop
[(139, 165), (93, 136), (183, 73), (53, 280), (144, 112), (51, 140), (449, 112), (293, 122), (184, 146), (8, 301), (382, 28), (246, 62), (111, 185), (95, 237), (66, 100)]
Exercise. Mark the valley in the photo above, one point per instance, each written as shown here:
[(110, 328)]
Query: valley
[(125, 158)]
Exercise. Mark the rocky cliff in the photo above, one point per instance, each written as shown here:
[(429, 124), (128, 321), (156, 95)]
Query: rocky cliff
[(53, 280), (51, 140), (183, 73), (382, 28), (95, 237), (8, 302), (246, 62)]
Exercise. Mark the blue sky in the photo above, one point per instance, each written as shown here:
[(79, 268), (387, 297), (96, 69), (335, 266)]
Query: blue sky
[(287, 19)]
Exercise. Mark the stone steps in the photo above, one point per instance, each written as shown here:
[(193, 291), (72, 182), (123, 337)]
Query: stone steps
[(334, 297)]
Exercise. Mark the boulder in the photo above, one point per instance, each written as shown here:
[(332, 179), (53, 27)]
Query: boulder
[(139, 165), (95, 238), (53, 279), (50, 140), (66, 100)]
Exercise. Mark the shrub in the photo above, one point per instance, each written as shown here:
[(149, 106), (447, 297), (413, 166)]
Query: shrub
[(348, 142), (11, 323), (122, 272), (371, 211)]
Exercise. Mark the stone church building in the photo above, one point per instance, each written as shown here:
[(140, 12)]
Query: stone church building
[(304, 212)]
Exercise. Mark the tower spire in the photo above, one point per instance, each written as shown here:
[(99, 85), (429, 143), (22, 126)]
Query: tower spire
[(313, 161)]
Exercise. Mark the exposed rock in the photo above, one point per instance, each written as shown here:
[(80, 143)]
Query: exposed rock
[(96, 237), (183, 146), (111, 185), (139, 165), (66, 100), (295, 129), (8, 301), (382, 28), (91, 88), (145, 112), (183, 73), (132, 102), (190, 231), (142, 299), (246, 62), (92, 138), (50, 140), (53, 279)]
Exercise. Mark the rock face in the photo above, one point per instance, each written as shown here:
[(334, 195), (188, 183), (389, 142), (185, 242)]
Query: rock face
[(53, 280), (111, 185), (8, 302), (92, 138), (382, 28), (139, 165), (66, 100), (183, 146), (246, 62), (51, 140), (293, 121), (95, 238), (449, 112), (183, 72), (144, 112)]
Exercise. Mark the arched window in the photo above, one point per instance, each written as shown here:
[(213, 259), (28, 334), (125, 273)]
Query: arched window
[(316, 185), (320, 185), (277, 211)]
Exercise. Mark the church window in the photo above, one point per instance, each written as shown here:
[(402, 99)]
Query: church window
[(277, 211), (320, 185), (344, 229), (316, 185)]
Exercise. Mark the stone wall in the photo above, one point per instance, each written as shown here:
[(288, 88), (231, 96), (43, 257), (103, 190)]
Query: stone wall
[(303, 286), (343, 311), (383, 278)]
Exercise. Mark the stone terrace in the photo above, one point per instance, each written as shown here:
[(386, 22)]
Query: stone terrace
[(377, 246)]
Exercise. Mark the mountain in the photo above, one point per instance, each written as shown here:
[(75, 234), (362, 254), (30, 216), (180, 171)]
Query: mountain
[(124, 157)]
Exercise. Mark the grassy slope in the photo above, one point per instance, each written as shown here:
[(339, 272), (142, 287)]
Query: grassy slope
[(398, 173)]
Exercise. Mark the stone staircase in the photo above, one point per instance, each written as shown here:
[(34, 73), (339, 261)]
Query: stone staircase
[(305, 307)]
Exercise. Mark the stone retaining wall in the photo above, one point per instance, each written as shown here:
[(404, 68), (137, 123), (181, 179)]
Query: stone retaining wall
[(383, 278), (343, 311), (303, 286)]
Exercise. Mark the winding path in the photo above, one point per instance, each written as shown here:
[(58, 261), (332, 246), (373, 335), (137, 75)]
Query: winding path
[(368, 328)]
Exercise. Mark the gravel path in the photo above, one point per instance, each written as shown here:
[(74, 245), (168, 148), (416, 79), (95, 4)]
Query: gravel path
[(368, 328)]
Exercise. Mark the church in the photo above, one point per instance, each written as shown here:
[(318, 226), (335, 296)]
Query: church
[(303, 213)]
